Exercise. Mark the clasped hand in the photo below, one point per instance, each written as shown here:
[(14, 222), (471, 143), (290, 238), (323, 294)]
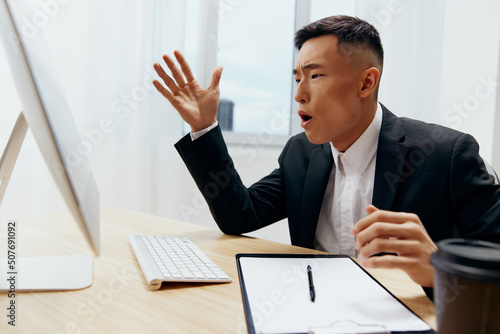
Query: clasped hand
[(397, 233), (197, 106)]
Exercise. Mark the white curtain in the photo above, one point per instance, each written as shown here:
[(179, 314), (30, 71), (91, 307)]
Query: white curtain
[(104, 52)]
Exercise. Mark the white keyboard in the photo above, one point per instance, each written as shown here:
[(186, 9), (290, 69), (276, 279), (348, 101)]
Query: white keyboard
[(174, 259)]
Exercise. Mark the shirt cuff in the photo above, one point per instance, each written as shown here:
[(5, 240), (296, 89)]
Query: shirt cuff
[(198, 134)]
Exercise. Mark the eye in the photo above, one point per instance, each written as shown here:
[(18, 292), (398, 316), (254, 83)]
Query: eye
[(297, 81), (314, 76)]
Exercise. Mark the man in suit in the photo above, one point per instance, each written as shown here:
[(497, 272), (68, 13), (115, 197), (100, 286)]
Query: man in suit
[(359, 180)]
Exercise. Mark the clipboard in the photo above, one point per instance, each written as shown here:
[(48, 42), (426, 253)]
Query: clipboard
[(277, 297)]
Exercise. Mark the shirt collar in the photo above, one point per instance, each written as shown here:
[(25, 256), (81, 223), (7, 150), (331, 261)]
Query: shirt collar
[(361, 152)]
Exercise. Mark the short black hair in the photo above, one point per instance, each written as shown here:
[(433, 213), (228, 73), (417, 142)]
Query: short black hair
[(350, 32)]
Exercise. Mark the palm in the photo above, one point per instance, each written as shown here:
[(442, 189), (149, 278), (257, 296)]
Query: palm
[(197, 106)]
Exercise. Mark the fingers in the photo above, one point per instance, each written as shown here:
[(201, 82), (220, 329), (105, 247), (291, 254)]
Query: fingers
[(371, 209), (421, 272), (176, 73), (184, 66), (416, 264), (216, 75), (402, 247), (168, 94), (386, 261), (166, 79), (377, 215), (165, 92), (178, 84), (387, 230)]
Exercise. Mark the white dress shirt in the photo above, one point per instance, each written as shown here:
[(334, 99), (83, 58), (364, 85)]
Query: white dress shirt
[(198, 134), (349, 191)]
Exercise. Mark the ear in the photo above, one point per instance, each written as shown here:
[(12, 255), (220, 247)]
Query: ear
[(370, 81)]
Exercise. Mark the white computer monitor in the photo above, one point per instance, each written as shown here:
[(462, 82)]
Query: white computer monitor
[(49, 117)]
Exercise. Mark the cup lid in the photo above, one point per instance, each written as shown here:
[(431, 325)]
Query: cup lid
[(472, 259)]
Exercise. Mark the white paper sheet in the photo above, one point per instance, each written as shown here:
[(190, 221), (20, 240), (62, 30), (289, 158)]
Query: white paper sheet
[(279, 297)]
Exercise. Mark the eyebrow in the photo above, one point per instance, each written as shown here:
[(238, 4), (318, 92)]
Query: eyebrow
[(308, 67)]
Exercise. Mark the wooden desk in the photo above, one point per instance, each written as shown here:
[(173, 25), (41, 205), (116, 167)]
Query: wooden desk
[(120, 302)]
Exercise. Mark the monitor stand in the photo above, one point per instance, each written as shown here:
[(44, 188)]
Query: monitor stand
[(41, 273)]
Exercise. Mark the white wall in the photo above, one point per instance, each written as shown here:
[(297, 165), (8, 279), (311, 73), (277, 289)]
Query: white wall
[(469, 70)]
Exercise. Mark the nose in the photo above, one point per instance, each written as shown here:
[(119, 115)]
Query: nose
[(302, 93)]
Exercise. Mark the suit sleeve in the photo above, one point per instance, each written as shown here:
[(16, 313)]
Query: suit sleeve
[(476, 204), (235, 208)]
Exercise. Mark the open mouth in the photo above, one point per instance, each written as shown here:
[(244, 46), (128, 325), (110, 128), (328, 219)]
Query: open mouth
[(305, 118)]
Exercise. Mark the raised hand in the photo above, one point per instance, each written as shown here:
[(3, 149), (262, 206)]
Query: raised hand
[(197, 106)]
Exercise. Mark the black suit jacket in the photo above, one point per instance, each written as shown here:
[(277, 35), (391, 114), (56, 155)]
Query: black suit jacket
[(426, 169)]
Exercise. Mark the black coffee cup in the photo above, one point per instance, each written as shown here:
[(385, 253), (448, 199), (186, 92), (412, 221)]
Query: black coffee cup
[(467, 286)]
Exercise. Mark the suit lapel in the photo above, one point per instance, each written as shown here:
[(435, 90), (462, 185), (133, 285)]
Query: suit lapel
[(318, 172), (391, 157)]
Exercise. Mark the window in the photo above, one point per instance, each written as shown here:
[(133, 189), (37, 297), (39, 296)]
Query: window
[(255, 47), (254, 43), (253, 40)]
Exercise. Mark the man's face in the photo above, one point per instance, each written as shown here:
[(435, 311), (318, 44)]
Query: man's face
[(328, 94)]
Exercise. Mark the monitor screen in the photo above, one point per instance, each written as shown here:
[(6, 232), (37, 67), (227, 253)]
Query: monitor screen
[(49, 117)]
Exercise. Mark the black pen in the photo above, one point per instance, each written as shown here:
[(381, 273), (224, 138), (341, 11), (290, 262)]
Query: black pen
[(311, 284)]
